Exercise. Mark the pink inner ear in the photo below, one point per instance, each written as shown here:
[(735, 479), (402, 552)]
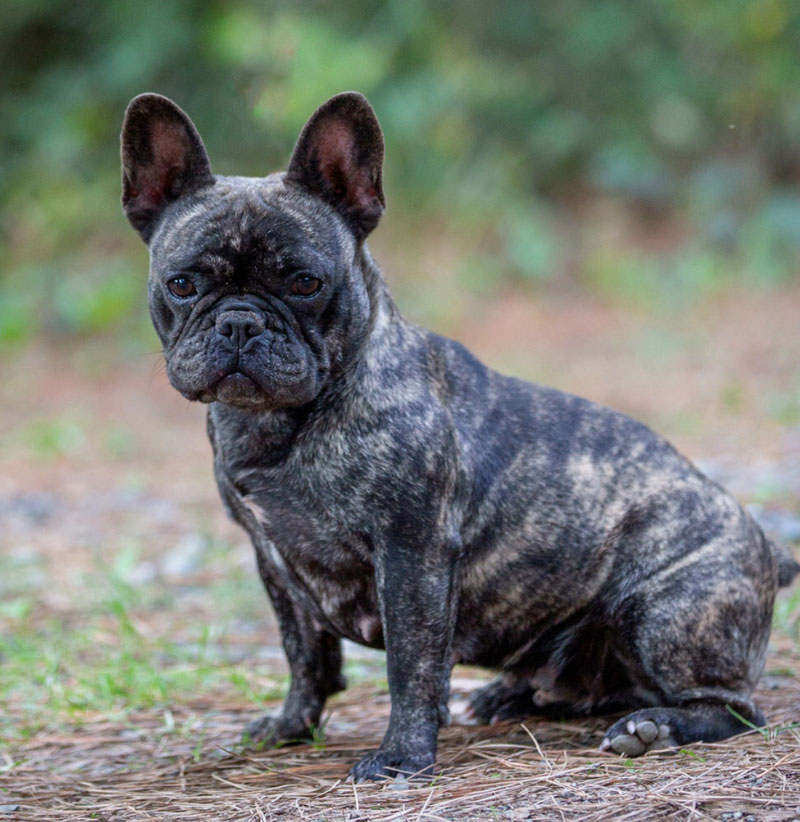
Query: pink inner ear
[(170, 148), (334, 152), (338, 166)]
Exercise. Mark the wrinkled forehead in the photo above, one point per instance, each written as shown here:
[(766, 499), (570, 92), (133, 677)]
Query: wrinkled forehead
[(251, 219)]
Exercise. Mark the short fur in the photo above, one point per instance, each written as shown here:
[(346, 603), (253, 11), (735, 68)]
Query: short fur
[(402, 495)]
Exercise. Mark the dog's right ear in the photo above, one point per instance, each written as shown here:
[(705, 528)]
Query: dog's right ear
[(163, 158)]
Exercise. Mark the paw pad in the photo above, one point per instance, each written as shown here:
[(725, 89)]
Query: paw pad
[(637, 736)]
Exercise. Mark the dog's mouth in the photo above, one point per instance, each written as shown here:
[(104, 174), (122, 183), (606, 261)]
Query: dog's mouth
[(240, 390), (235, 389)]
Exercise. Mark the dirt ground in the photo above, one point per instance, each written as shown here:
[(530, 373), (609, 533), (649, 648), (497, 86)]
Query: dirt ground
[(103, 467)]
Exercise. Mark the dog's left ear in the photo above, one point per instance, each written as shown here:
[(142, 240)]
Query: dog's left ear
[(339, 157), (163, 158)]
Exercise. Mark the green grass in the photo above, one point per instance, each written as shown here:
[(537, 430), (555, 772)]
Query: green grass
[(54, 673), (72, 432), (769, 733), (693, 754), (119, 649)]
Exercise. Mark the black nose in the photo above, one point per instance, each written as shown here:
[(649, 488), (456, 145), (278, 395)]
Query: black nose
[(239, 326)]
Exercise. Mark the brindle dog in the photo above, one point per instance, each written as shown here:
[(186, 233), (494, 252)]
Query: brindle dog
[(402, 495)]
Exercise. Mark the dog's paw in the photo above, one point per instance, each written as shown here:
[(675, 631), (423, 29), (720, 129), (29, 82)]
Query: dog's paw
[(271, 730), (639, 733), (382, 763), (498, 701)]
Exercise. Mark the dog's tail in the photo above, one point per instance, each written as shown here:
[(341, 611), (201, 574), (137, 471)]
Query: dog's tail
[(787, 566)]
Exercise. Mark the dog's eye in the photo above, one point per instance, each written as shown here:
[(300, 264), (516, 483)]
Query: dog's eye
[(181, 287), (306, 286)]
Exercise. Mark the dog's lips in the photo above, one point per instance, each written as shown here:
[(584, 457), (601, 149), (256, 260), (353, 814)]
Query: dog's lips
[(236, 380), (234, 388), (237, 388)]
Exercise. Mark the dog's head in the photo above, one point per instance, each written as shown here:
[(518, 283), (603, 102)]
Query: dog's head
[(255, 289)]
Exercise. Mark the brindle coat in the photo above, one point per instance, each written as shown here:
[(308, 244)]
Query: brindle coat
[(402, 495)]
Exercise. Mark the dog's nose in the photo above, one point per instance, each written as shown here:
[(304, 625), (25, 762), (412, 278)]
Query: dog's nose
[(240, 326)]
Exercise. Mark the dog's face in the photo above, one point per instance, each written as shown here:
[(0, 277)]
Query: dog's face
[(255, 289)]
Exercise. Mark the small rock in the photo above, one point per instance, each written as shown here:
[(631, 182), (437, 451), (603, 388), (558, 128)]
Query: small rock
[(185, 557), (37, 508), (400, 783)]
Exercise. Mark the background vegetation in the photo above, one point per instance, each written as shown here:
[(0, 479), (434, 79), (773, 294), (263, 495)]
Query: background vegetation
[(648, 150)]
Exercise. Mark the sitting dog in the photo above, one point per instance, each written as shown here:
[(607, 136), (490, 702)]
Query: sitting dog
[(402, 495)]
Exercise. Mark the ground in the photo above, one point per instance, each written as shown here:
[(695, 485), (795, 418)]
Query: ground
[(135, 642)]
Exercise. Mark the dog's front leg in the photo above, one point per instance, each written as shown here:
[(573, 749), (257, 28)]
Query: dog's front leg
[(315, 662), (417, 594)]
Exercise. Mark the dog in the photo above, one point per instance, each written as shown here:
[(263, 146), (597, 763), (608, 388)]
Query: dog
[(402, 495)]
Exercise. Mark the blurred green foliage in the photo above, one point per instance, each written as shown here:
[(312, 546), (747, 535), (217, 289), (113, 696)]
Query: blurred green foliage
[(648, 148)]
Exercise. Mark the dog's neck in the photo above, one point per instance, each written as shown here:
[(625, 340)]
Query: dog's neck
[(359, 373), (383, 311)]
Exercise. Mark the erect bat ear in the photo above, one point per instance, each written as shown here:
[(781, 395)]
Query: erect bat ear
[(163, 158), (339, 157)]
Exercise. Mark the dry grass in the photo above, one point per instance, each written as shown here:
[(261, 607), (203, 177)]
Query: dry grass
[(185, 765)]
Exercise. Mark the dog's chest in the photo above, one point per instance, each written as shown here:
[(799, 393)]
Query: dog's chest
[(310, 549)]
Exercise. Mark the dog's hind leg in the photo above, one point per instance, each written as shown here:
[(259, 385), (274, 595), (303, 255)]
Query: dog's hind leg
[(569, 671), (694, 632), (506, 697)]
